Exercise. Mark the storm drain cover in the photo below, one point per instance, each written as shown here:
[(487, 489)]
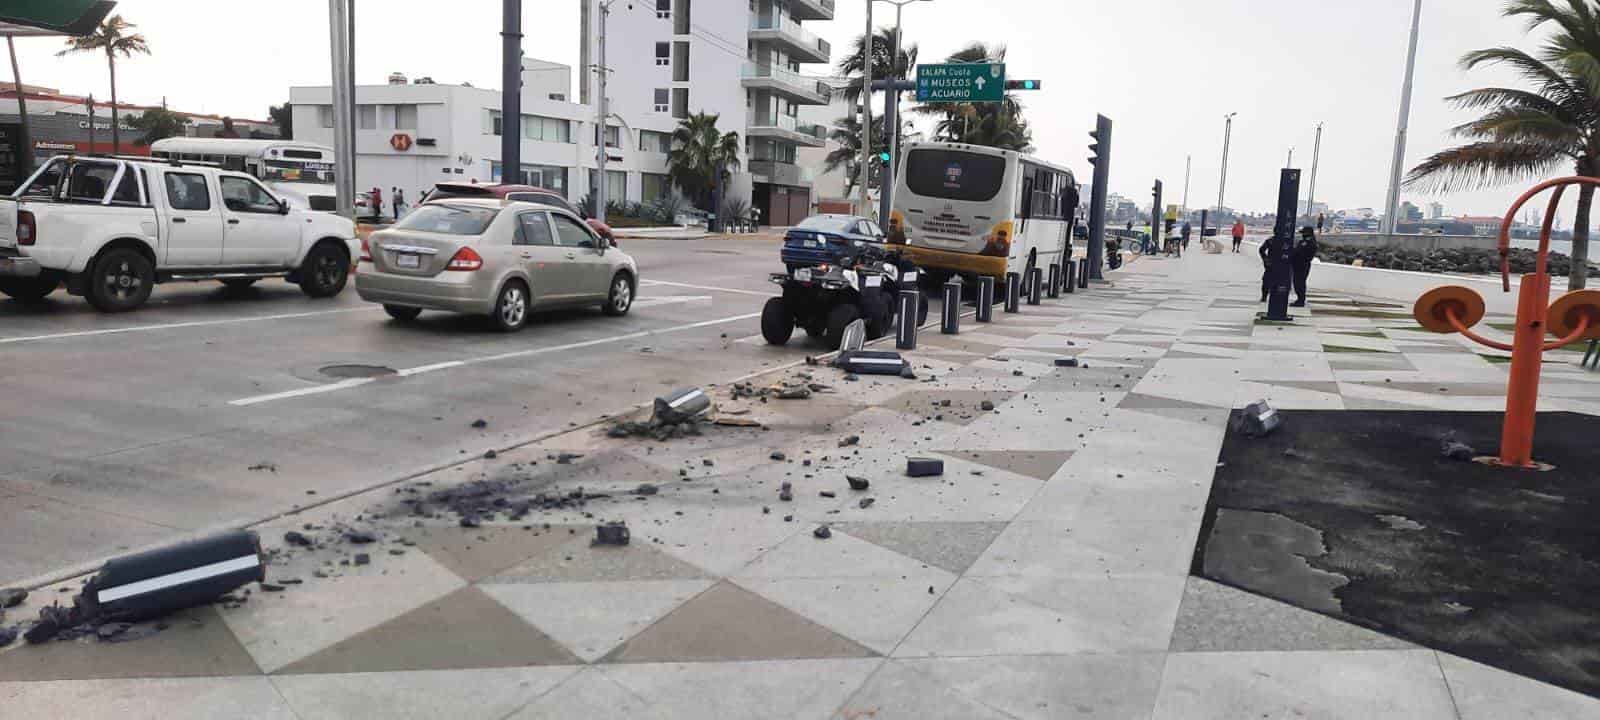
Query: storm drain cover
[(345, 372)]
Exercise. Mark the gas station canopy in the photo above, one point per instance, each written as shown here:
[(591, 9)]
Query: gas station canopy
[(39, 18)]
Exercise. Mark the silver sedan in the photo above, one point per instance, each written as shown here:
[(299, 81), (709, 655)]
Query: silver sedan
[(487, 258)]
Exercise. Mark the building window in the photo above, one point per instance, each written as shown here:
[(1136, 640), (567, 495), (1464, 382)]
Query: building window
[(546, 129), (491, 122), (613, 136), (655, 187), (367, 117), (549, 177), (680, 61), (656, 142), (616, 186), (325, 115), (405, 117), (663, 54), (664, 9), (662, 100), (680, 102)]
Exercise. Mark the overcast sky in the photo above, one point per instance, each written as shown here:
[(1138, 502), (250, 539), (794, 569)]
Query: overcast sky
[(1166, 71)]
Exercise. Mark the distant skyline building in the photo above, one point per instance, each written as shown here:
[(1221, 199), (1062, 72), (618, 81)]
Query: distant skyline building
[(1435, 211), (1409, 212)]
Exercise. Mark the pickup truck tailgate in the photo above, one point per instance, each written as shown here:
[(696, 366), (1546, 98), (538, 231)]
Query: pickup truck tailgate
[(8, 223)]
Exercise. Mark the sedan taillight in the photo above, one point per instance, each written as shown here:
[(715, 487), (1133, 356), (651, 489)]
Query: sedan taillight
[(27, 228), (465, 259)]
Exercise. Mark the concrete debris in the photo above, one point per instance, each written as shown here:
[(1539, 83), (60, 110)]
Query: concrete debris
[(660, 428), (490, 455), (480, 423), (786, 492), (788, 518), (735, 422), (865, 503), (1067, 362), (1259, 419), (1016, 373), (827, 494), (646, 489), (470, 521), (360, 537), (924, 467), (681, 406), (272, 587), (1459, 451), (567, 458), (822, 532), (8, 635), (611, 534), (794, 393), (12, 597), (857, 483), (780, 457), (263, 466), (708, 462), (851, 440), (986, 406), (363, 559)]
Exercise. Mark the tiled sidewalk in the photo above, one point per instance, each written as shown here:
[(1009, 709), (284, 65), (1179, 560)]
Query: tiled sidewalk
[(1044, 575)]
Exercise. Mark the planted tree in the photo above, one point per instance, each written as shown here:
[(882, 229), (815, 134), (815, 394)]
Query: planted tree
[(702, 158), (113, 38)]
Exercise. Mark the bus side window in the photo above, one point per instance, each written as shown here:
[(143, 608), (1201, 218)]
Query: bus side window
[(1027, 199)]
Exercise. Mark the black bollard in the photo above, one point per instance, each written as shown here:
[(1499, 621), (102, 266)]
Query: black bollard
[(1035, 285), (1013, 291), (906, 334), (985, 299), (1053, 289), (951, 313), (179, 576), (1083, 274), (1068, 279)]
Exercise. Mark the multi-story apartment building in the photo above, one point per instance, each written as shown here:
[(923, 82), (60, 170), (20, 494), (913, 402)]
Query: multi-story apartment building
[(737, 59)]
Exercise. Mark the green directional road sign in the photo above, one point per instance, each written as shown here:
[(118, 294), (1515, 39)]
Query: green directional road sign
[(52, 17), (961, 82)]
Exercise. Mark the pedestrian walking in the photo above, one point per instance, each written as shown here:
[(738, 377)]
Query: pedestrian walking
[(1186, 231), (398, 202), (1321, 218), (1238, 234), (375, 199), (1305, 250)]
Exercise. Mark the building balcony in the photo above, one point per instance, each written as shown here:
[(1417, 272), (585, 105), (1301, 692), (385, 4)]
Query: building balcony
[(783, 127), (779, 173), (801, 44), (811, 9), (801, 89)]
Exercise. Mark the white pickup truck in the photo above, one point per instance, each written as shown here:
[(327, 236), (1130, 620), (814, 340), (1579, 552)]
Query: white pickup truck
[(110, 228)]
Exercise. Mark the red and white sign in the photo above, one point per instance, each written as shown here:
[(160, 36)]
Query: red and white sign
[(400, 142)]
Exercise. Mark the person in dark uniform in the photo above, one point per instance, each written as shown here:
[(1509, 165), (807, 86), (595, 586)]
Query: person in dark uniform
[(1305, 250), (1265, 251)]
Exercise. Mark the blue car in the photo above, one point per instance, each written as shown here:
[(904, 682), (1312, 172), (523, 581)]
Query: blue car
[(823, 239)]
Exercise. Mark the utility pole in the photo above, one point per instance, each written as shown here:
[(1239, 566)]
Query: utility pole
[(866, 113), (511, 91), (1316, 155), (24, 144), (343, 150), (89, 101), (1397, 165), (1227, 138), (1290, 162), (603, 111), (891, 117)]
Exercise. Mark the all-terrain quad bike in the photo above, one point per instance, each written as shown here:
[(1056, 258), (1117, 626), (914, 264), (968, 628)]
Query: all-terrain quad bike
[(826, 298)]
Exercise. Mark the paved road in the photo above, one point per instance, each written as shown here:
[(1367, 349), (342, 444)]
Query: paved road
[(121, 431)]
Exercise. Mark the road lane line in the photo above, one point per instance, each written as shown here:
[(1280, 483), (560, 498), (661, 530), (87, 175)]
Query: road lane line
[(645, 302), (177, 326), (706, 287), (409, 372)]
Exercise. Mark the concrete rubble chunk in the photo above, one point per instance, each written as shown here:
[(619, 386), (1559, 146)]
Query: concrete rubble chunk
[(822, 532), (480, 423), (857, 483), (363, 559), (360, 537), (611, 534), (828, 493), (1259, 419), (681, 406), (8, 635), (780, 457), (12, 597), (986, 406), (786, 492), (924, 467), (1452, 449), (866, 503), (646, 489), (1067, 362), (490, 455), (851, 440)]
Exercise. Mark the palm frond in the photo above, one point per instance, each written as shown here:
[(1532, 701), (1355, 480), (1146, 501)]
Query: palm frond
[(1484, 165)]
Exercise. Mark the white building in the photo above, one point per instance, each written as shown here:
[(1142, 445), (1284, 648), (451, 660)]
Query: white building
[(1435, 211), (826, 186), (414, 135), (737, 59)]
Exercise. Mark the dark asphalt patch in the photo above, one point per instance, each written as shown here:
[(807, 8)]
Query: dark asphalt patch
[(1367, 522)]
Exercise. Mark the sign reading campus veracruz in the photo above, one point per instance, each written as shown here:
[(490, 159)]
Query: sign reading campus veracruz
[(961, 82)]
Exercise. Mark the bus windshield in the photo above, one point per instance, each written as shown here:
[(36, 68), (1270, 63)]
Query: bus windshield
[(297, 171), (954, 174)]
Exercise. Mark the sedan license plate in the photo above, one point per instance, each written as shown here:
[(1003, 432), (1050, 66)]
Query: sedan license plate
[(407, 260), (813, 243), (803, 274)]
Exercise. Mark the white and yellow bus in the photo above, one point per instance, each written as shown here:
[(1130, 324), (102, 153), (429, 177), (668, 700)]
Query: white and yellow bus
[(300, 171), (974, 210)]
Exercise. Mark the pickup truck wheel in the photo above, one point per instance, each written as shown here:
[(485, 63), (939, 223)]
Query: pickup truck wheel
[(325, 271), (29, 290), (120, 280), (402, 313)]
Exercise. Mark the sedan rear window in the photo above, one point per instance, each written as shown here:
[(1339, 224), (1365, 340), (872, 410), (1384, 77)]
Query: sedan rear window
[(828, 223), (448, 219)]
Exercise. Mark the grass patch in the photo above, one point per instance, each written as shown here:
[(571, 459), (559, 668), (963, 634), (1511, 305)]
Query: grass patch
[(1343, 349)]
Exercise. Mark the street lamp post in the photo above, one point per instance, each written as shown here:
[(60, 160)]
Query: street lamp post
[(865, 171), (1397, 164), (1227, 138), (891, 116), (1316, 155)]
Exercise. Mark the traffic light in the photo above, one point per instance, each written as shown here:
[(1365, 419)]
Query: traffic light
[(1100, 149), (1024, 85), (883, 158)]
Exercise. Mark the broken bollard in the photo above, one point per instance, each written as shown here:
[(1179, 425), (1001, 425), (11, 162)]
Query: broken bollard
[(924, 467), (160, 581), (611, 534), (1259, 419), (683, 405), (872, 362)]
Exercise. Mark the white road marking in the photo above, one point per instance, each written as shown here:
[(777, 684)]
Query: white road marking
[(707, 287), (176, 326), (409, 372), (645, 302)]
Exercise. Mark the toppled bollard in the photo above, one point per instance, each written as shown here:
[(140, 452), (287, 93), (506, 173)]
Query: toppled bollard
[(173, 578), (681, 406), (611, 534), (1259, 419), (924, 467), (871, 362)]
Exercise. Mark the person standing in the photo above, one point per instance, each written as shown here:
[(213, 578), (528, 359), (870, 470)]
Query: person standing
[(1238, 234), (375, 197), (1305, 250), (1321, 218), (398, 202), (1186, 231), (1265, 251)]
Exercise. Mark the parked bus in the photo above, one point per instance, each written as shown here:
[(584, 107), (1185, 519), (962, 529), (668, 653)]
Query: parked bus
[(299, 171), (973, 210)]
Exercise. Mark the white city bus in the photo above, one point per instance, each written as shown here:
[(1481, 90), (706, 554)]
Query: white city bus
[(299, 171), (974, 210)]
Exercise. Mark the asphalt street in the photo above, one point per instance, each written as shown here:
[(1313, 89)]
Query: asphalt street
[(209, 406)]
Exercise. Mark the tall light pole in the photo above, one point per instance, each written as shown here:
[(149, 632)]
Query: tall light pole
[(1227, 138), (344, 151), (891, 118), (1188, 163), (865, 171), (602, 114), (1398, 163), (1316, 155), (1290, 162)]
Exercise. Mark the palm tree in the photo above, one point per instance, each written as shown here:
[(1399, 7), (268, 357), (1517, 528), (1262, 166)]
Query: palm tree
[(990, 124), (846, 134), (701, 158), (850, 66), (1530, 133), (155, 124), (112, 38)]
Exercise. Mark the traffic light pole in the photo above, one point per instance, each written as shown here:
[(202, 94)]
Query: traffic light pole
[(891, 116), (1100, 156)]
